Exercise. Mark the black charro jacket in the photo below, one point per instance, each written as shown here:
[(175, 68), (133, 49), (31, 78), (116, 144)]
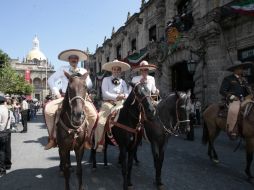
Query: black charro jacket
[(231, 86)]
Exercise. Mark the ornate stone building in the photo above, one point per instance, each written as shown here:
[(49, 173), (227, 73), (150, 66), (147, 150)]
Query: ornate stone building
[(191, 42), (36, 69)]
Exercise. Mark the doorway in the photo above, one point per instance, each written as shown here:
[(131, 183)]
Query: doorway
[(182, 79)]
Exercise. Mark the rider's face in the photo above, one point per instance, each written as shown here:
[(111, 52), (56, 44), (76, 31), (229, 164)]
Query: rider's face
[(144, 72), (73, 60), (116, 71), (238, 71)]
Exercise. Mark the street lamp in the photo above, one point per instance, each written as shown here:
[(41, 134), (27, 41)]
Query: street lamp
[(191, 65)]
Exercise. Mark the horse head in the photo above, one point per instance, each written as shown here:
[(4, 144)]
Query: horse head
[(76, 95), (183, 108), (140, 94)]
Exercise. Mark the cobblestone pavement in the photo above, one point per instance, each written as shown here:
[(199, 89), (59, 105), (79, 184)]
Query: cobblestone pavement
[(186, 166)]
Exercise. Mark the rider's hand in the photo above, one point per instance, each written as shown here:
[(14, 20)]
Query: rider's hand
[(58, 96), (233, 98), (120, 97)]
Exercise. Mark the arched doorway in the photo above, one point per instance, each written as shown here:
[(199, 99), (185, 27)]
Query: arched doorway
[(182, 79)]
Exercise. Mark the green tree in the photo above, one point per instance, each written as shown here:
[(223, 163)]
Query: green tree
[(10, 81)]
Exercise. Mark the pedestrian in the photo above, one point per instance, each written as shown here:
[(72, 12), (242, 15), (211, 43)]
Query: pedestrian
[(192, 118), (197, 106), (5, 137), (24, 113)]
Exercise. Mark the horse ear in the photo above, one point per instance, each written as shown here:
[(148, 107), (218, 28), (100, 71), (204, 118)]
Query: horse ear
[(132, 84), (84, 76), (68, 76)]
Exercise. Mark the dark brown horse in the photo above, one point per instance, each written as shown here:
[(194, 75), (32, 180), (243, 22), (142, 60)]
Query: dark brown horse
[(214, 124), (71, 126)]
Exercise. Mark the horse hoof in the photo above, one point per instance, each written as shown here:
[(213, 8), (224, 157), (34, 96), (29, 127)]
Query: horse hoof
[(94, 169), (105, 165), (130, 187), (216, 161), (249, 174), (160, 187)]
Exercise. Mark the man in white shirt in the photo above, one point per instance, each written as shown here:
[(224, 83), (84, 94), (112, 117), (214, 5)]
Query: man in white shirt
[(114, 92), (24, 113), (72, 56), (5, 138), (144, 69)]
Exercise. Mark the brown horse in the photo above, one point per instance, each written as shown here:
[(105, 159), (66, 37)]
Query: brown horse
[(71, 126), (214, 124)]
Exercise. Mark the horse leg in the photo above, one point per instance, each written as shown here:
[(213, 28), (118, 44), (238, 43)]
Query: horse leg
[(123, 160), (136, 156), (158, 157), (79, 155), (105, 154), (92, 158), (130, 163), (64, 156), (249, 158)]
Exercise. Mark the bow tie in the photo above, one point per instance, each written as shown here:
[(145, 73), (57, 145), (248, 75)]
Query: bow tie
[(115, 81)]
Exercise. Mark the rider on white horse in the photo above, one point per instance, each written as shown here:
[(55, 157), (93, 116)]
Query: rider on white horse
[(73, 56), (114, 92)]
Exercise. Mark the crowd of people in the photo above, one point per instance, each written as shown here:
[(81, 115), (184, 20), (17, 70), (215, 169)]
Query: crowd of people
[(14, 111)]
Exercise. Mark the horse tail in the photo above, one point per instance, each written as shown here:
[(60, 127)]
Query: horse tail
[(205, 136)]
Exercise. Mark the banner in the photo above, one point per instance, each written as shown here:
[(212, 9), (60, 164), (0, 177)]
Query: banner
[(244, 7), (27, 76)]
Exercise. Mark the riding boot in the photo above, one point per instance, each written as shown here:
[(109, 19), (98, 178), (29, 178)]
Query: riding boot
[(51, 144), (87, 143)]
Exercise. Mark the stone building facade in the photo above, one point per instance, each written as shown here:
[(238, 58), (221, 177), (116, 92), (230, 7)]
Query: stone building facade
[(191, 42), (36, 67)]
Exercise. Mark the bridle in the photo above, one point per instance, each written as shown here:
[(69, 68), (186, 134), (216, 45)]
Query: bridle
[(140, 105), (175, 129), (70, 100)]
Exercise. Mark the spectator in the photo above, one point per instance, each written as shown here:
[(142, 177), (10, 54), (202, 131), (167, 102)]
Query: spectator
[(197, 106), (5, 137), (24, 114)]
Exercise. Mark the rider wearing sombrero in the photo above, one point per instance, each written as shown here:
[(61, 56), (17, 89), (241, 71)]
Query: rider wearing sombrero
[(114, 92), (144, 69), (73, 56), (235, 89)]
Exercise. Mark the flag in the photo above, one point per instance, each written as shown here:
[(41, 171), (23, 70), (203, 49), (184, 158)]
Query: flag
[(27, 76), (243, 7)]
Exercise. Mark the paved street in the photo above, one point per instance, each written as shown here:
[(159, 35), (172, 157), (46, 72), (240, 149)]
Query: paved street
[(186, 166)]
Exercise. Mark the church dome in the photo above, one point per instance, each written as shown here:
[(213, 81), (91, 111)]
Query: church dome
[(35, 53)]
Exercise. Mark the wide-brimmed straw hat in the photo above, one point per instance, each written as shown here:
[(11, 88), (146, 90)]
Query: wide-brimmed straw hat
[(239, 64), (145, 65), (116, 63), (64, 55)]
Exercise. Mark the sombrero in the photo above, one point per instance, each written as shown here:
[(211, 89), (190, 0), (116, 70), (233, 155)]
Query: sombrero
[(239, 64), (145, 65), (64, 55), (108, 66)]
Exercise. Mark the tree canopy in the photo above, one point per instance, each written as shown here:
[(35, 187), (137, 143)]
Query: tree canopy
[(10, 81)]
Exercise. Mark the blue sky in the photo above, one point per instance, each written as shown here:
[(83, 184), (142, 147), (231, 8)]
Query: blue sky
[(60, 24)]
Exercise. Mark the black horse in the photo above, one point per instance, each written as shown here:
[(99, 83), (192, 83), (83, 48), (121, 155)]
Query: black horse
[(126, 131), (172, 113), (71, 126)]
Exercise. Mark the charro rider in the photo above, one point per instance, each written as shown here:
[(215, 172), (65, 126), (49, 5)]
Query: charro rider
[(114, 92), (235, 89), (59, 81), (144, 69)]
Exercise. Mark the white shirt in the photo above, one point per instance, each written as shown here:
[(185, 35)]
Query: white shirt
[(24, 105), (4, 117), (150, 82), (59, 81), (111, 91)]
